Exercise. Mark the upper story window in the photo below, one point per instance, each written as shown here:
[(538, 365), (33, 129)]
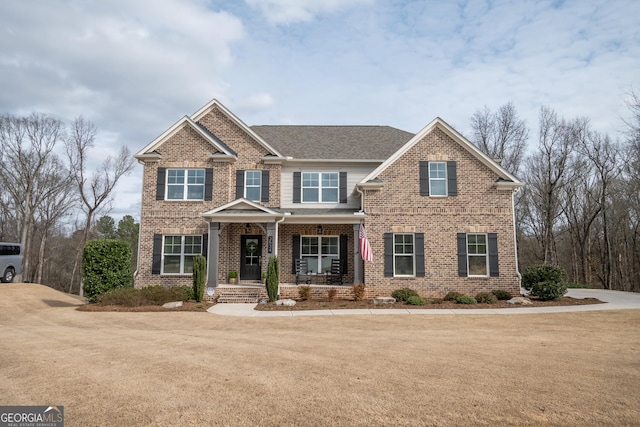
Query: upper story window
[(185, 184), (437, 178), (320, 187), (253, 185)]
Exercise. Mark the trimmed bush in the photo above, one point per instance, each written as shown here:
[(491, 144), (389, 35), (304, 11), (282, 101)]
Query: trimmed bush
[(304, 292), (501, 295), (452, 296), (542, 273), (358, 291), (106, 265), (486, 298), (549, 290), (199, 276), (463, 299), (415, 300), (403, 294), (331, 294), (273, 278)]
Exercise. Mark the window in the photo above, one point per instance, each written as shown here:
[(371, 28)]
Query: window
[(185, 184), (319, 251), (252, 185), (178, 253), (437, 178), (320, 187), (403, 255), (477, 254)]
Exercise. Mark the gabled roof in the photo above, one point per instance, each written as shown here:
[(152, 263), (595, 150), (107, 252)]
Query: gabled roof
[(503, 175), (374, 143), (207, 134), (240, 210)]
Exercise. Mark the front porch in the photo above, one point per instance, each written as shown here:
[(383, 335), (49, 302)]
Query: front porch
[(254, 292)]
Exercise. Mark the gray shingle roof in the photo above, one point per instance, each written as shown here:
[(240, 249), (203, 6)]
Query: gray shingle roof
[(334, 142)]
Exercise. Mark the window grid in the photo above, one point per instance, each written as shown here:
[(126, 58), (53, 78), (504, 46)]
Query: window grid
[(178, 253), (403, 255), (253, 185), (185, 184), (477, 255), (320, 187), (438, 178), (319, 251)]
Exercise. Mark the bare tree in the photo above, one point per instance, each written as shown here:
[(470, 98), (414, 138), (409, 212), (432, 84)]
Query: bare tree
[(501, 135), (95, 190), (27, 148)]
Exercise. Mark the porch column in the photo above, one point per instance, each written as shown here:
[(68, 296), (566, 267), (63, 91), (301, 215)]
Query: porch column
[(213, 251), (271, 240), (358, 274)]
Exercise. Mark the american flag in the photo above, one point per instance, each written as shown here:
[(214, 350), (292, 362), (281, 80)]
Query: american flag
[(365, 247)]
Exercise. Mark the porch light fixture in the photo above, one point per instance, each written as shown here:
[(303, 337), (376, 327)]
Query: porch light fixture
[(319, 229), (247, 228)]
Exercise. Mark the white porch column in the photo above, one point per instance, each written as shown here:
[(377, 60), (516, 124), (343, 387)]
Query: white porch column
[(358, 273), (213, 250)]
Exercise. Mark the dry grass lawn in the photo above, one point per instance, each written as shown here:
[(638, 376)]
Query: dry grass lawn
[(188, 368)]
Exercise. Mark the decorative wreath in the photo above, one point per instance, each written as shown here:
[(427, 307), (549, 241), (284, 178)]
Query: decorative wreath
[(251, 247)]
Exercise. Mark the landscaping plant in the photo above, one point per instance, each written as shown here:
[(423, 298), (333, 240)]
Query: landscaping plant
[(199, 276), (486, 298), (452, 296), (273, 278), (415, 300), (549, 290), (304, 292), (331, 294), (463, 299), (403, 294), (501, 294), (106, 265), (358, 291), (542, 273)]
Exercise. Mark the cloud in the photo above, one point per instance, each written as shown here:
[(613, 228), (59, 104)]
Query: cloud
[(294, 11)]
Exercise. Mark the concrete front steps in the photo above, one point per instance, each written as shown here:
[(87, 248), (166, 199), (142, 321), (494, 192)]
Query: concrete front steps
[(244, 294)]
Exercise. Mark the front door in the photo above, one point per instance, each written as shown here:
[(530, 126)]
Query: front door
[(250, 257)]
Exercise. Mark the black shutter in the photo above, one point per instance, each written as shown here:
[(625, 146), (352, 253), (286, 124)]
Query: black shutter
[(452, 179), (264, 194), (424, 178), (462, 255), (295, 252), (343, 187), (388, 254), (208, 184), (205, 245), (157, 254), (162, 176), (419, 252), (239, 184), (493, 255), (297, 186), (344, 253)]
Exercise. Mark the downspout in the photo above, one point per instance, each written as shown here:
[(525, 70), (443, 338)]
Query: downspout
[(515, 241), (135, 273), (361, 199)]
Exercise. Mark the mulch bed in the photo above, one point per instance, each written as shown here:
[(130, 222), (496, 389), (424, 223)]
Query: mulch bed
[(186, 306), (439, 304)]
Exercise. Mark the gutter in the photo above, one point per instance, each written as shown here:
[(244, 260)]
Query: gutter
[(523, 291)]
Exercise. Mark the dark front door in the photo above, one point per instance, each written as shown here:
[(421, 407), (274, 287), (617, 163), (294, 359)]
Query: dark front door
[(251, 257)]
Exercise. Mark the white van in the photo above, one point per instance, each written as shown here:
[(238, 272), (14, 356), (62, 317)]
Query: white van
[(10, 261)]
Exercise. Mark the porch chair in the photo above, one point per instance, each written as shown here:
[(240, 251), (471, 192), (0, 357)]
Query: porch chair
[(302, 271), (335, 274)]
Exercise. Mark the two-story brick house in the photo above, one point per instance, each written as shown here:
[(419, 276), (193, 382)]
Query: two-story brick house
[(438, 213)]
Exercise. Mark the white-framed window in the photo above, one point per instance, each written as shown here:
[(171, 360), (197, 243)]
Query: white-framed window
[(438, 178), (320, 187), (319, 251), (477, 260), (253, 185), (178, 252), (185, 184), (404, 259)]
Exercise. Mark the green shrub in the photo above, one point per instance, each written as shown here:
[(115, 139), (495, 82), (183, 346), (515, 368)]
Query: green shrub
[(486, 298), (463, 299), (549, 290), (304, 292), (501, 294), (150, 295), (331, 294), (403, 294), (415, 300), (106, 265), (359, 291), (273, 278), (542, 273), (199, 276), (452, 296)]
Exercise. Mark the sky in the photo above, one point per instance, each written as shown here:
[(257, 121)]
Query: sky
[(134, 68)]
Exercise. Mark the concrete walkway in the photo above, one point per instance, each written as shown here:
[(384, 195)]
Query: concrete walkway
[(614, 300)]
